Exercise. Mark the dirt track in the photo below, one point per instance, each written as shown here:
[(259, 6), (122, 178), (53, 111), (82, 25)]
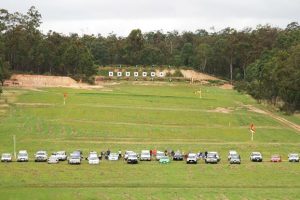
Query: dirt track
[(274, 116)]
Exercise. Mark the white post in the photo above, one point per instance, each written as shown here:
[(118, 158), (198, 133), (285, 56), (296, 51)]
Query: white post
[(14, 138)]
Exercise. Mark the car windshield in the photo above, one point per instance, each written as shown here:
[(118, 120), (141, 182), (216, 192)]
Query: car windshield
[(132, 156), (275, 156), (6, 155), (235, 156), (93, 158), (75, 156), (160, 154), (22, 154), (145, 154), (294, 155), (256, 154), (61, 153), (113, 154), (40, 153)]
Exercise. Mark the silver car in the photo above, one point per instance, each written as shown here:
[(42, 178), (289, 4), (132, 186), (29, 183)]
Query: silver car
[(74, 159), (6, 157), (211, 158)]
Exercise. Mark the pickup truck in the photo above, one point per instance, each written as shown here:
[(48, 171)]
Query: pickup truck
[(61, 155)]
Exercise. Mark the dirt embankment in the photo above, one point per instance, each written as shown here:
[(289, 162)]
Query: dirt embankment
[(33, 81), (197, 75)]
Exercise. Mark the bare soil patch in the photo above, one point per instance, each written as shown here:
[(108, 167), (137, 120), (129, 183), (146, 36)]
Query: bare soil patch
[(197, 75), (36, 81), (226, 86), (221, 110)]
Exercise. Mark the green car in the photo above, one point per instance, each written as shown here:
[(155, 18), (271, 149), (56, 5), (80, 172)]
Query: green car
[(164, 160)]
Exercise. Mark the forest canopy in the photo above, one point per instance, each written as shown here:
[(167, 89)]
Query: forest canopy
[(264, 62)]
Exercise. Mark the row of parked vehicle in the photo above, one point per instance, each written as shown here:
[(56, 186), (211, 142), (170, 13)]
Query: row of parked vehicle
[(132, 157)]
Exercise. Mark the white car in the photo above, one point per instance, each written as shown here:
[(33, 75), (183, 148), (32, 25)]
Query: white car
[(6, 157), (74, 159), (293, 157), (232, 153), (211, 158), (256, 157), (127, 153), (41, 156), (93, 158), (132, 158), (159, 155), (113, 156), (214, 153), (61, 155), (192, 158), (53, 159), (145, 155), (235, 159), (22, 156)]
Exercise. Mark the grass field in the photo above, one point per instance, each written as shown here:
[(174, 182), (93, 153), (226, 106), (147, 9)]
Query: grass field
[(131, 116)]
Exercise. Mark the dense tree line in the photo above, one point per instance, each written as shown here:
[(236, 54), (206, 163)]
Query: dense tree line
[(264, 61)]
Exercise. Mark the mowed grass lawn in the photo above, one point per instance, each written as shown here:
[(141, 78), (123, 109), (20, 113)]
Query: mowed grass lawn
[(133, 116)]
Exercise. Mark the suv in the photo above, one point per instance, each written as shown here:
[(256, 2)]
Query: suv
[(145, 155), (192, 158), (293, 157), (6, 157), (22, 156), (41, 156), (256, 157), (231, 153), (74, 159)]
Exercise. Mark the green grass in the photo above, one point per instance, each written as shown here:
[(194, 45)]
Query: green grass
[(135, 117)]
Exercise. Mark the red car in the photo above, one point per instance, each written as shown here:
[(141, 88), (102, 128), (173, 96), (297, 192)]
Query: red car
[(275, 158)]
